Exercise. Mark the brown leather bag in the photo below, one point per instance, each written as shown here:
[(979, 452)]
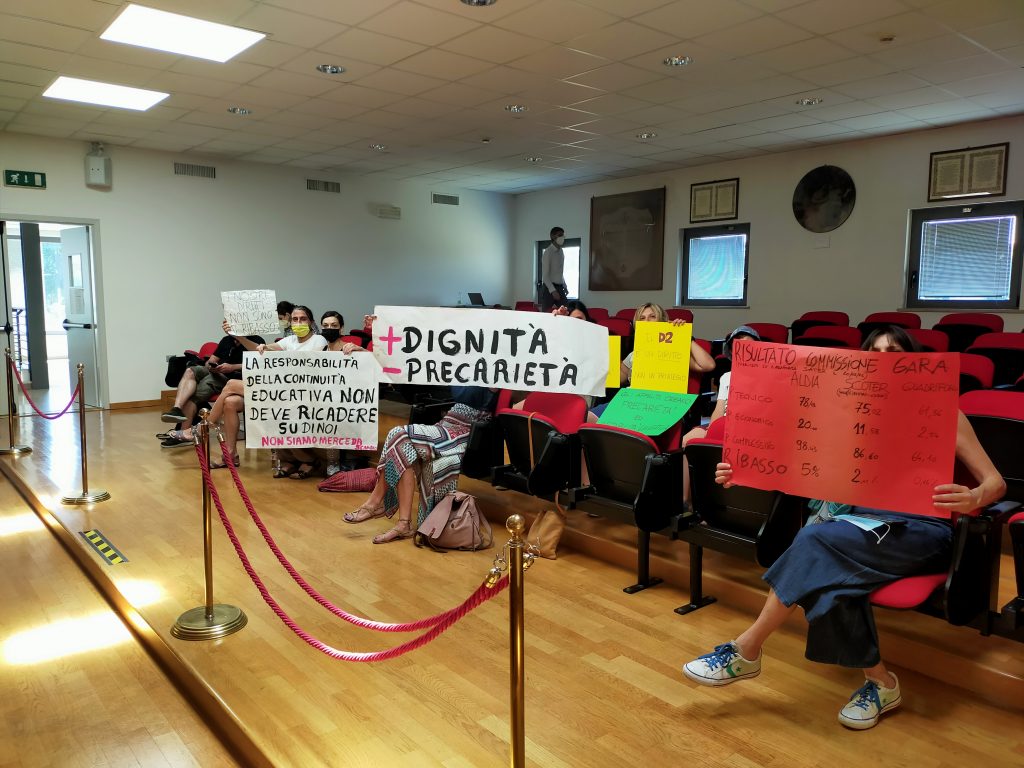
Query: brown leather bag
[(546, 531), (455, 523)]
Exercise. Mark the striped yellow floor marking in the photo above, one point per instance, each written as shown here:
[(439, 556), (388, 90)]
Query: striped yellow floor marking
[(111, 554)]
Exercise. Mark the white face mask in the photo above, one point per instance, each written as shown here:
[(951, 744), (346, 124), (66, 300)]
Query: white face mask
[(560, 240)]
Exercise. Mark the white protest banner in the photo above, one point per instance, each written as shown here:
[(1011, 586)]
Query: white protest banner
[(531, 351), (310, 400), (250, 312)]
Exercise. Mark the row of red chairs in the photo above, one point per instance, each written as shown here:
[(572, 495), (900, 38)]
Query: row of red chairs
[(639, 477)]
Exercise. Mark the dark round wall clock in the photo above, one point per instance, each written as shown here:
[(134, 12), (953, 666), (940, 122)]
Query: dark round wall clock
[(824, 199)]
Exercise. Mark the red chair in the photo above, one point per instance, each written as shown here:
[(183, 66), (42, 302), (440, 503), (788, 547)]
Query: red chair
[(543, 452), (930, 339), (525, 306), (830, 336), (997, 416), (773, 332), (207, 349), (976, 372), (616, 326), (1006, 350), (811, 319), (880, 319), (633, 477), (598, 313), (357, 340), (626, 314), (680, 314), (963, 328)]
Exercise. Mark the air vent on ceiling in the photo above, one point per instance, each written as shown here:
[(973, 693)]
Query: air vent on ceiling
[(388, 212), (318, 185), (191, 169), (439, 199)]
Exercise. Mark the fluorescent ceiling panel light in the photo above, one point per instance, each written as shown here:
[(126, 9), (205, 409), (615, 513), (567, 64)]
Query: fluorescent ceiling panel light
[(174, 33), (105, 94)]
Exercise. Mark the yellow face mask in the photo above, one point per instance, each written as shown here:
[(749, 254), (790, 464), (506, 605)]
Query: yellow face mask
[(300, 329)]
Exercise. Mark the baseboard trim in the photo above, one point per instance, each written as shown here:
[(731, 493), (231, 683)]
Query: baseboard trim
[(134, 404)]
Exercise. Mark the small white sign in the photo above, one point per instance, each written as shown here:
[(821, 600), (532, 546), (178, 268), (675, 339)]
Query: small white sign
[(250, 313)]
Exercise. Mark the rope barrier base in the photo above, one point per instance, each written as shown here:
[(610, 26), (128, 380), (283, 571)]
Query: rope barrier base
[(16, 450), (85, 497), (194, 624)]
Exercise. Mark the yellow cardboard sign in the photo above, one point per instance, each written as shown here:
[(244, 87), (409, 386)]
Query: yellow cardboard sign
[(614, 361), (661, 357)]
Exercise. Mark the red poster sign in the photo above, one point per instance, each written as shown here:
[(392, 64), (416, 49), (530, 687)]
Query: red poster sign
[(874, 429)]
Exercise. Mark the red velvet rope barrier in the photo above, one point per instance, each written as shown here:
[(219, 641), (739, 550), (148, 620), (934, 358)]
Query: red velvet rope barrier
[(481, 595), (359, 621), (50, 416)]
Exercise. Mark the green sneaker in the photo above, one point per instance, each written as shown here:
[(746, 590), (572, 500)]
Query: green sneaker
[(868, 703), (722, 666)]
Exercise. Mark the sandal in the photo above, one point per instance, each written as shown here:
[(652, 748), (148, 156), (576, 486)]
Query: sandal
[(222, 465), (285, 470), (363, 513), (402, 530), (304, 471)]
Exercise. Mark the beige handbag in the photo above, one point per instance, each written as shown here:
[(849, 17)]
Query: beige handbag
[(547, 527)]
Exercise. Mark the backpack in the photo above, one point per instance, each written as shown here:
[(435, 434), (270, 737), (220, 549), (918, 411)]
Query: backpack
[(178, 364), (455, 523)]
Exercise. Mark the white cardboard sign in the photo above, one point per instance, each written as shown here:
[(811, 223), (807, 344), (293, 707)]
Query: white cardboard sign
[(250, 313)]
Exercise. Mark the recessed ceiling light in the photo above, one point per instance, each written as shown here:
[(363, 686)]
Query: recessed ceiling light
[(515, 108), (479, 3), (105, 94), (174, 33), (811, 102), (677, 61), (243, 111), (533, 159), (330, 69), (647, 135), (378, 147)]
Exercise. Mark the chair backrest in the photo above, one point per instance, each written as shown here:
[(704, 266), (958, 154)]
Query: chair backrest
[(357, 340), (901, 319), (615, 460), (525, 306), (626, 314), (616, 326), (811, 319), (985, 319), (1006, 351), (930, 339), (677, 313), (976, 372), (830, 336), (998, 420), (598, 313), (207, 349), (776, 333), (565, 412)]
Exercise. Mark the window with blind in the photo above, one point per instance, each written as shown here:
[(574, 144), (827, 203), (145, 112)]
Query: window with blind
[(713, 271), (965, 256)]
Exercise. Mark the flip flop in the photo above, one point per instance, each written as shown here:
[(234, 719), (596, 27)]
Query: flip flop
[(221, 465), (363, 513)]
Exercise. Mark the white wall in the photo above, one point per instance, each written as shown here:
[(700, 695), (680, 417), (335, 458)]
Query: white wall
[(168, 245), (861, 270)]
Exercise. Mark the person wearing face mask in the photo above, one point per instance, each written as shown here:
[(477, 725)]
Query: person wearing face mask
[(552, 287), (284, 317)]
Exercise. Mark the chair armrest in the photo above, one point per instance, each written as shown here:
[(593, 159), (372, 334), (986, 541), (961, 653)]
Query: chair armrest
[(660, 498), (1002, 511), (429, 412)]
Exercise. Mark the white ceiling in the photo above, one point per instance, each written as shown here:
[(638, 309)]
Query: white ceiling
[(430, 79)]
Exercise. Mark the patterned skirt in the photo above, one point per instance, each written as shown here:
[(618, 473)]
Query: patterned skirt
[(433, 451)]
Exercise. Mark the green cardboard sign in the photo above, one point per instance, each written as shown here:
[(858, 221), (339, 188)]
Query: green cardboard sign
[(646, 411)]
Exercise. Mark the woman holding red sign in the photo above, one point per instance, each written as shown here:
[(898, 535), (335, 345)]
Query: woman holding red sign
[(831, 569)]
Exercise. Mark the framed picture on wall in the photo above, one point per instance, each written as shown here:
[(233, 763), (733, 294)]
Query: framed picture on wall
[(627, 241), (968, 172), (715, 200)]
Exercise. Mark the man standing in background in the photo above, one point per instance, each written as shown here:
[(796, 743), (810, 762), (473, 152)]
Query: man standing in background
[(552, 280)]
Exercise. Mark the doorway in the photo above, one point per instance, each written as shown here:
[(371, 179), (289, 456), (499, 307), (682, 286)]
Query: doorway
[(570, 268), (49, 306)]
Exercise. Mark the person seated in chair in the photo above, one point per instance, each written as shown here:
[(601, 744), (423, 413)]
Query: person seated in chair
[(721, 403), (429, 455), (832, 567), (201, 382)]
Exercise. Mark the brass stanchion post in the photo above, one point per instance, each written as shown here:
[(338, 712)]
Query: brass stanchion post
[(12, 414), (86, 496), (517, 642), (208, 621)]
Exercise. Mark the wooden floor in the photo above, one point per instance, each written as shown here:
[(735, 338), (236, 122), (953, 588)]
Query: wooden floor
[(603, 680)]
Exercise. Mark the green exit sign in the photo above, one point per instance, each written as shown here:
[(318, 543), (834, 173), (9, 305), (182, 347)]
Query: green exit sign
[(32, 179)]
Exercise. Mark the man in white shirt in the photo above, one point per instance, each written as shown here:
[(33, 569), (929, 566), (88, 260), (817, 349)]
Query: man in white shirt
[(552, 280)]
